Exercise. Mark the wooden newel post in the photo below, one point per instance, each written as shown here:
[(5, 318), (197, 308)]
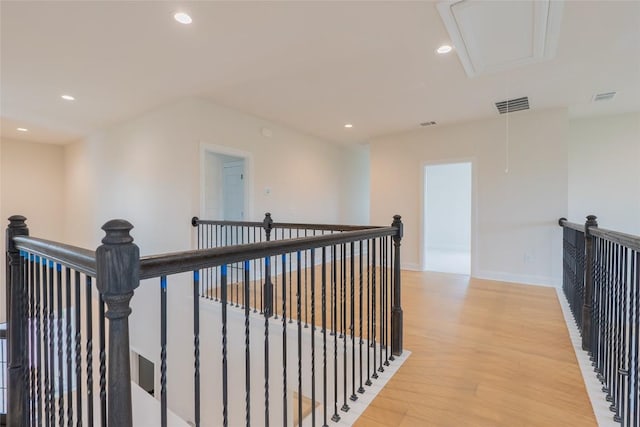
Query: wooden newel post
[(267, 224), (118, 274), (396, 310), (588, 283), (16, 326)]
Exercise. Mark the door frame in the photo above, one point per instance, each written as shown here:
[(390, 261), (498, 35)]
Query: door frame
[(474, 209), (248, 175)]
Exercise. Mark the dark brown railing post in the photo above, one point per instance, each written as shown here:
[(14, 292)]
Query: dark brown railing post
[(396, 310), (16, 322), (588, 283), (267, 224), (118, 274)]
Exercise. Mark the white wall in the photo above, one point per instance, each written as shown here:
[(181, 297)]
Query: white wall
[(604, 171), (448, 207), (31, 184), (515, 233), (147, 171)]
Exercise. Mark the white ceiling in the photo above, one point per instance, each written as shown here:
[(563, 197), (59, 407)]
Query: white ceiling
[(312, 66)]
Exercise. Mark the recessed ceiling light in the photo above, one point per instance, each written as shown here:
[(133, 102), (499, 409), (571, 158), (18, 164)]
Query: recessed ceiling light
[(68, 98), (182, 18), (445, 48), (348, 125), (22, 129)]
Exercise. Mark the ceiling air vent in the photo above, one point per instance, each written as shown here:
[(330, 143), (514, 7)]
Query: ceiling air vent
[(431, 123), (511, 105), (604, 96)]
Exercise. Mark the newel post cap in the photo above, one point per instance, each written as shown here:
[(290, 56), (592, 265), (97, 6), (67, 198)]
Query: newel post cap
[(117, 259), (591, 221), (194, 221), (397, 222), (17, 227), (267, 221)]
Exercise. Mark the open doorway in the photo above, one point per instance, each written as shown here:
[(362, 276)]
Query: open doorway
[(447, 218), (224, 187)]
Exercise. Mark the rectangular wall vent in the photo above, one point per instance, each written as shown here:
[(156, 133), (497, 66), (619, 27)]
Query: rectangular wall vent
[(605, 96), (511, 105), (431, 123)]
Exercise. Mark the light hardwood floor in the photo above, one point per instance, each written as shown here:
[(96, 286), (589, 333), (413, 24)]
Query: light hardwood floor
[(483, 354)]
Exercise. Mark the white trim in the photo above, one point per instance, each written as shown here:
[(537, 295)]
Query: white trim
[(523, 279), (604, 416), (248, 170), (411, 266)]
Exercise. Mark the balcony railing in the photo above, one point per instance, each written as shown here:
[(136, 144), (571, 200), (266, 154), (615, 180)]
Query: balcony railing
[(329, 303)]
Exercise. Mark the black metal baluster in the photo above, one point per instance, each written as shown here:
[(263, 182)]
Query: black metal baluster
[(78, 350), (39, 336), (284, 340), (247, 346), (89, 355), (103, 361), (299, 323), (196, 348), (617, 344), (266, 348), (387, 306), (391, 294), (58, 345), (223, 296), (324, 337), (31, 336), (634, 344), (374, 375), (255, 277), (343, 307), (237, 267), (163, 351), (368, 382), (68, 332), (352, 330), (382, 302), (306, 286), (290, 283), (334, 330), (52, 362), (313, 339), (361, 336)]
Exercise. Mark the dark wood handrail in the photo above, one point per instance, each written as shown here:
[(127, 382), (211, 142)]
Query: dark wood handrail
[(180, 262), (562, 222), (79, 259), (628, 240), (195, 221)]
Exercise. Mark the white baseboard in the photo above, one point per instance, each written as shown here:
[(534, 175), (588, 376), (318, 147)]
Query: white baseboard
[(411, 266), (523, 279), (594, 388)]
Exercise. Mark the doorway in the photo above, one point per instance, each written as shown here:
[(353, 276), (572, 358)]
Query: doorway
[(447, 218), (224, 187)]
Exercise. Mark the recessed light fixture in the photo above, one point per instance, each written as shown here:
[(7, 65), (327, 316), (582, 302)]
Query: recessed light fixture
[(22, 129), (348, 125), (182, 18), (67, 97), (445, 48)]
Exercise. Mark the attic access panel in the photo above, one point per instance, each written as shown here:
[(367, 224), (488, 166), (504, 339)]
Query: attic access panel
[(491, 36)]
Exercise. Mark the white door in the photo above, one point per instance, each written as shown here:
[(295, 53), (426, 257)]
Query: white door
[(233, 190)]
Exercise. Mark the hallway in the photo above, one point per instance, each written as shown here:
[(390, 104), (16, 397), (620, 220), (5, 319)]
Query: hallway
[(484, 354)]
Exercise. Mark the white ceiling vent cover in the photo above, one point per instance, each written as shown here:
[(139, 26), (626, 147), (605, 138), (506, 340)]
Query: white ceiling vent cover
[(511, 105), (605, 96), (491, 36)]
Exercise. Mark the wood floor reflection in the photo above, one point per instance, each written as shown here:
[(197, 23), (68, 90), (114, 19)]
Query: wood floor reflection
[(483, 354)]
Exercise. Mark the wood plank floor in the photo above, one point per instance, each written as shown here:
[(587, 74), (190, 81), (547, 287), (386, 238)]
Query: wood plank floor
[(483, 354)]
